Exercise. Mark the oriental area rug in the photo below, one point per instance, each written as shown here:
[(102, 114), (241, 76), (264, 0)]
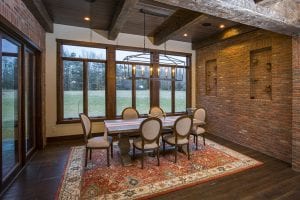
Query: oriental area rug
[(97, 181)]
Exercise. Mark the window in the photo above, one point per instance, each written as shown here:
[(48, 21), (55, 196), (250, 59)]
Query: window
[(101, 81), (133, 82), (83, 82), (173, 84)]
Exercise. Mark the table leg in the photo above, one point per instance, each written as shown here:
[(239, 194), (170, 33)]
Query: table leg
[(124, 146)]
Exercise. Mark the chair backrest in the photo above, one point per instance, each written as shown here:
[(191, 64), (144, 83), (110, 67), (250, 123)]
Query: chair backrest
[(200, 114), (183, 126), (150, 129), (156, 111), (86, 125), (130, 113)]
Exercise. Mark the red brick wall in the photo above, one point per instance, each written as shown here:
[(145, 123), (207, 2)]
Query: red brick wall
[(19, 16), (296, 104), (262, 124)]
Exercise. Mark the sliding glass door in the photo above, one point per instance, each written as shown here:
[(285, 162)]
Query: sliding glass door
[(17, 106), (10, 106)]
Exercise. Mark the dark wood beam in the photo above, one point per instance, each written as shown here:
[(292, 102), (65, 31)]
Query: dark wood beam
[(283, 18), (39, 11), (120, 17), (224, 35), (174, 24)]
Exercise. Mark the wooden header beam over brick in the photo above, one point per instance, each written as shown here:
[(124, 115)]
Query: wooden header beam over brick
[(39, 11), (120, 17), (281, 18), (174, 24), (224, 35)]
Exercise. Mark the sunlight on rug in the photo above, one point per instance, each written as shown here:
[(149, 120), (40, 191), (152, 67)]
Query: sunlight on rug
[(117, 182)]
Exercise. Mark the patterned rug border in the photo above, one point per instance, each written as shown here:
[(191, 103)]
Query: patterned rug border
[(66, 191)]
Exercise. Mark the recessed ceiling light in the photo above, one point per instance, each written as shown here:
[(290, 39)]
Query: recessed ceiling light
[(222, 26), (206, 24), (87, 19), (185, 35)]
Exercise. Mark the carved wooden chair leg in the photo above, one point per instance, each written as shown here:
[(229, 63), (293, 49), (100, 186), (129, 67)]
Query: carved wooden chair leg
[(176, 149), (164, 147), (157, 153), (203, 139), (86, 155), (197, 142), (112, 150), (90, 154), (142, 158), (188, 150)]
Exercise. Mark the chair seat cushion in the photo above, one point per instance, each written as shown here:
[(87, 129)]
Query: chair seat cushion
[(138, 143), (198, 131), (99, 142), (171, 139)]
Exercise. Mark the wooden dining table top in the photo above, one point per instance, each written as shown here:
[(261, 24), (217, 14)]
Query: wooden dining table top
[(129, 125)]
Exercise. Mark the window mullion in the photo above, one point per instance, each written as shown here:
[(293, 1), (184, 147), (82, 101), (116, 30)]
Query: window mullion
[(173, 92), (133, 86), (85, 86)]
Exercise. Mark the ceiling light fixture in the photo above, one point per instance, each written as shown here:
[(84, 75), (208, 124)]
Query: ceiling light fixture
[(222, 26), (87, 18), (185, 35)]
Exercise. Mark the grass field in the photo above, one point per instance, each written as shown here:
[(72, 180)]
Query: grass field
[(73, 104)]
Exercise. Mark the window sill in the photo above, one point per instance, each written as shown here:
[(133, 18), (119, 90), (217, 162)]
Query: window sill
[(74, 121)]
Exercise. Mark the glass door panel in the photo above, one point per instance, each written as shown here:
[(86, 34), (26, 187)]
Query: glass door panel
[(10, 104)]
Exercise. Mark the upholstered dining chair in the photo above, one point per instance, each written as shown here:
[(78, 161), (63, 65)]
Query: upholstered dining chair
[(130, 113), (103, 142), (159, 112), (198, 129), (156, 111), (180, 136), (149, 137)]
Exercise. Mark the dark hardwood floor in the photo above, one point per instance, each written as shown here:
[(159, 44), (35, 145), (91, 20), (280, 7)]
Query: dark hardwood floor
[(273, 180)]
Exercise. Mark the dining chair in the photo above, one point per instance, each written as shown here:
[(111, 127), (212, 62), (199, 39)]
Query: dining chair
[(160, 113), (180, 136), (130, 113), (156, 111), (101, 142), (150, 130), (198, 123)]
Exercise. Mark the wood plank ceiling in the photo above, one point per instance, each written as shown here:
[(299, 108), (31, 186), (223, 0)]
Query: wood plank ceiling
[(102, 12)]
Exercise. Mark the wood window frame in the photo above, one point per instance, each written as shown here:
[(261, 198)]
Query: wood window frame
[(110, 87), (60, 80)]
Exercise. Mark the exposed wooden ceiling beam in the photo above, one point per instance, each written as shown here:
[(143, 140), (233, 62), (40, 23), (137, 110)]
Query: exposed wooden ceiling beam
[(224, 35), (174, 24), (39, 11), (284, 19), (120, 17)]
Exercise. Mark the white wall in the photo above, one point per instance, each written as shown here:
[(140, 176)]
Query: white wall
[(98, 36)]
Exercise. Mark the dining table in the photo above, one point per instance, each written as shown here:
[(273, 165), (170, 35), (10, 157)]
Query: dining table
[(125, 128)]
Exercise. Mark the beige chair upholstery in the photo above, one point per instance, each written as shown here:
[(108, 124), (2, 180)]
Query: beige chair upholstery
[(199, 122), (104, 142), (160, 113), (156, 112), (130, 113), (181, 134), (149, 137)]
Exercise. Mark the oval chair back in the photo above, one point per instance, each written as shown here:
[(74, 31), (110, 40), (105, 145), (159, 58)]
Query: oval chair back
[(130, 113), (182, 127), (199, 114), (156, 111), (150, 130), (86, 125)]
